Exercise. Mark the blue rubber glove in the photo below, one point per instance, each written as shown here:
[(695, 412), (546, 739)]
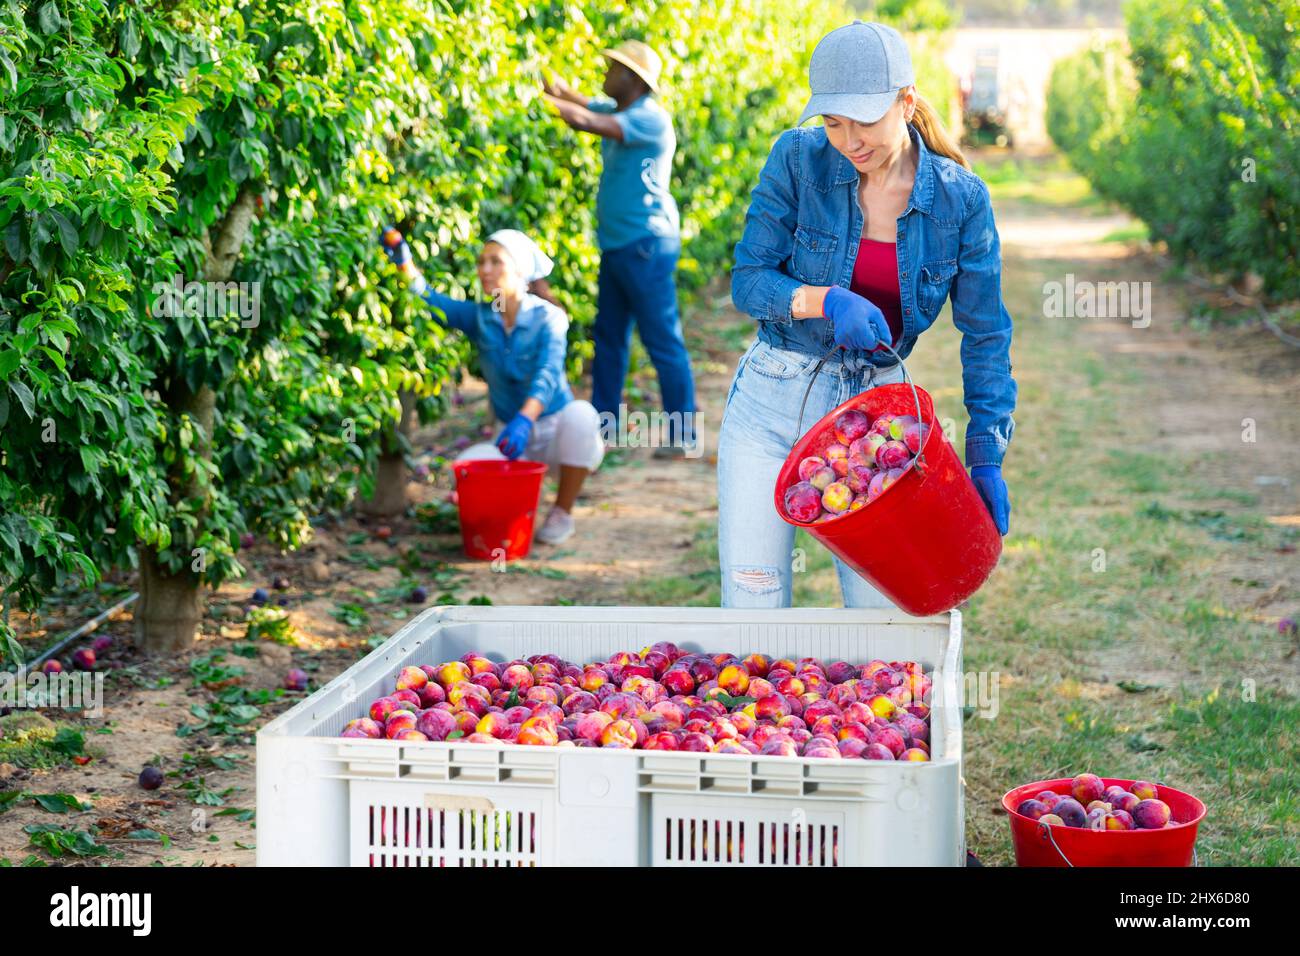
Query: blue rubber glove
[(398, 252), (514, 437), (857, 322), (989, 483)]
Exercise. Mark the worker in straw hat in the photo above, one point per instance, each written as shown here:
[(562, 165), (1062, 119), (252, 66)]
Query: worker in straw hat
[(638, 231)]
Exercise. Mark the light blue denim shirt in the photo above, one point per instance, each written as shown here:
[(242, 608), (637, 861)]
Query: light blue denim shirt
[(634, 199), (527, 362), (802, 228)]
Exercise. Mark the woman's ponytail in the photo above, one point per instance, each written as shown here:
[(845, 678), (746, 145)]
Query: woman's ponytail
[(937, 139), (542, 289)]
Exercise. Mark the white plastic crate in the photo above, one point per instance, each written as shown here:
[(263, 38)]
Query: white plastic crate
[(323, 800)]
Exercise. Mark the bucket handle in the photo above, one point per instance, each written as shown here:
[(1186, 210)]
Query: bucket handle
[(907, 377), (1045, 829)]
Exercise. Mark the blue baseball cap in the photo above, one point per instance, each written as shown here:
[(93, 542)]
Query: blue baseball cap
[(856, 71)]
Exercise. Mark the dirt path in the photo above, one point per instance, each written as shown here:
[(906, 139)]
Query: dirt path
[(1225, 400), (1222, 402), (1198, 388)]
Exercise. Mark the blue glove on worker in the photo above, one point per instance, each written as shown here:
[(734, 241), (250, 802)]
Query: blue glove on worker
[(399, 253), (394, 245), (514, 437), (989, 483), (858, 323)]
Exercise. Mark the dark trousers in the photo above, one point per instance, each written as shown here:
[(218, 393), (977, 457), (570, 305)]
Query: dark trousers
[(637, 284)]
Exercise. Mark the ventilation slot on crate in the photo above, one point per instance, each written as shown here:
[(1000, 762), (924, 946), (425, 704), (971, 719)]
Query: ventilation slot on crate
[(753, 841), (419, 836)]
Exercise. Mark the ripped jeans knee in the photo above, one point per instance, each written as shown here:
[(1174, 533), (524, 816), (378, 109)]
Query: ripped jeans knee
[(751, 579)]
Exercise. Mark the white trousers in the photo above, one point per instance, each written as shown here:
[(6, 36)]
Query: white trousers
[(570, 436)]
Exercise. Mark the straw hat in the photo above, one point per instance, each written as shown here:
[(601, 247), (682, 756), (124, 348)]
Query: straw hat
[(640, 59)]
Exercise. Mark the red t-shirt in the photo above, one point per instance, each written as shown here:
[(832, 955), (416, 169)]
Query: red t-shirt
[(875, 277)]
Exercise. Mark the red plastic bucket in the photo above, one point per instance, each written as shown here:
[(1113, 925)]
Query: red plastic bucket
[(1040, 844), (927, 543), (498, 504)]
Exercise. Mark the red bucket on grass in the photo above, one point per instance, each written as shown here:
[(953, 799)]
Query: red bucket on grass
[(498, 504), (1041, 844), (927, 542)]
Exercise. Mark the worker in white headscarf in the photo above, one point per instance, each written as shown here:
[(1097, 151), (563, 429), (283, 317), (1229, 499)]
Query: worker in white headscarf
[(521, 336)]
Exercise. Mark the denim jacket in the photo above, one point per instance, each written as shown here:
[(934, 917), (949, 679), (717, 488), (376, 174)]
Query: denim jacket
[(802, 228), (527, 362)]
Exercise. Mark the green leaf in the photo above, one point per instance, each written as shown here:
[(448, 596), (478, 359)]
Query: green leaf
[(1134, 687), (89, 570), (243, 816), (57, 841), (152, 835), (25, 397), (59, 802), (68, 237), (90, 459), (1140, 744), (8, 797), (128, 38), (16, 240), (49, 19), (55, 357), (68, 741), (243, 713), (9, 69), (731, 703), (237, 165), (12, 649), (9, 360)]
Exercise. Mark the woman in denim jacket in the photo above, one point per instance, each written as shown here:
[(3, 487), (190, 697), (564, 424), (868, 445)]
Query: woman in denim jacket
[(857, 233), (521, 339)]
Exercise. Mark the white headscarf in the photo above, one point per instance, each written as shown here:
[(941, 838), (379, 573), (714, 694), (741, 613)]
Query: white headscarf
[(531, 262)]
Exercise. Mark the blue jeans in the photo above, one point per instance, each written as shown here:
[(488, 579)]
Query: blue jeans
[(759, 427), (637, 282)]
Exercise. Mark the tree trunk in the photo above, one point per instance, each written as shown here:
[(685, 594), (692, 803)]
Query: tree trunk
[(389, 498), (170, 608), (171, 603)]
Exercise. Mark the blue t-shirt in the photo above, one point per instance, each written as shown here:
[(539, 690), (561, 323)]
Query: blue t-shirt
[(527, 362), (634, 201)]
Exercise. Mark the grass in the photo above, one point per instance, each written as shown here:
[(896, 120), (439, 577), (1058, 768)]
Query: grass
[(1137, 232), (1041, 181), (1247, 752), (697, 585), (31, 741), (1120, 644)]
